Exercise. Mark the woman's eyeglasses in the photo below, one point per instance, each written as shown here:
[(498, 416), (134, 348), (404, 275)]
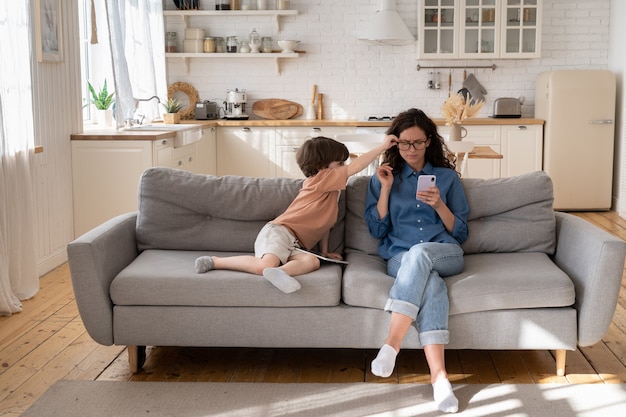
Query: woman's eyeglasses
[(417, 145)]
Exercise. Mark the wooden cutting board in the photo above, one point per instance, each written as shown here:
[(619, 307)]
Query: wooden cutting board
[(276, 109)]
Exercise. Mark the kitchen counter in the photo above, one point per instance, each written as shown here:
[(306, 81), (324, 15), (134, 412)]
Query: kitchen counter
[(95, 133)]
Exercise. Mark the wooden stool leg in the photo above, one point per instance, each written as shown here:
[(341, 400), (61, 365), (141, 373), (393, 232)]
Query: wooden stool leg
[(560, 362)]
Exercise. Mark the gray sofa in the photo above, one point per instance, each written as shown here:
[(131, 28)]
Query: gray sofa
[(533, 278)]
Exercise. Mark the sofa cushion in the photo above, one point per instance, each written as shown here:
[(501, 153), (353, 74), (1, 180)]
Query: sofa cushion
[(358, 238), (510, 214), (185, 211), (490, 281), (506, 215), (167, 278)]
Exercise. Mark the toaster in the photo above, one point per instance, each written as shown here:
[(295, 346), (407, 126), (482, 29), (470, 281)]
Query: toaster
[(206, 110), (507, 107)]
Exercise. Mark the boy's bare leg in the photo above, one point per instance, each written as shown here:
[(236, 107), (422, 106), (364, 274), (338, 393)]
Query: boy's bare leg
[(243, 263)]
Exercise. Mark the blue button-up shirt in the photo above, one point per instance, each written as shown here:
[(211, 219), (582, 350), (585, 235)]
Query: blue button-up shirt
[(410, 221)]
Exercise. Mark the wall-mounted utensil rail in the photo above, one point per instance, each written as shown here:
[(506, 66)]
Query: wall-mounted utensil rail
[(492, 67)]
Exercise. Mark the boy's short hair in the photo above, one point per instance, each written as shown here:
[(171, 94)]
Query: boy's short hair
[(317, 153)]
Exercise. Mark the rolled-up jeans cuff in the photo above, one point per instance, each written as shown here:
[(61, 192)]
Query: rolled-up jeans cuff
[(402, 307), (435, 337)]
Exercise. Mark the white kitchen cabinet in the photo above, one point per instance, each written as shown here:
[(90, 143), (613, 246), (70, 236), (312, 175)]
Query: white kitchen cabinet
[(206, 152), (479, 29), (288, 140), (438, 24), (521, 29), (480, 135), (246, 150), (521, 148), (105, 175)]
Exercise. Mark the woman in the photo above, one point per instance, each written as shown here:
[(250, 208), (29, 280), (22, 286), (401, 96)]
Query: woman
[(420, 236)]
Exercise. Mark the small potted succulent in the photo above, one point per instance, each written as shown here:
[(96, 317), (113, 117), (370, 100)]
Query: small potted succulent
[(102, 100), (171, 115)]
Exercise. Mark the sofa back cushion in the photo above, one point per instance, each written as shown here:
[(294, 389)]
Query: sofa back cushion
[(506, 215), (185, 211), (511, 214)]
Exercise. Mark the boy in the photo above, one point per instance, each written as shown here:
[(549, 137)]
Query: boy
[(306, 222)]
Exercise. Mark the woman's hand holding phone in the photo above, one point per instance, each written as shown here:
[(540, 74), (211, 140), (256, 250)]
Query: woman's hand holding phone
[(427, 190)]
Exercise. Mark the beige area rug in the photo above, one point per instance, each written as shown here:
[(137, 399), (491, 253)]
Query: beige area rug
[(202, 399)]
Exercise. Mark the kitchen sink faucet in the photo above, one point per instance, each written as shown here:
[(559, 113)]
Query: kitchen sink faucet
[(131, 122)]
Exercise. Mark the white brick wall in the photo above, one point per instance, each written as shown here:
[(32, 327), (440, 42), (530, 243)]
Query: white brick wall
[(359, 79)]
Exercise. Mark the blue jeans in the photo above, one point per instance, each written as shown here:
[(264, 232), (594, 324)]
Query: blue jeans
[(419, 291)]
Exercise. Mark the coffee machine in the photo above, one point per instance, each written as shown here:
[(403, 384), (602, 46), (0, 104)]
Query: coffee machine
[(235, 105)]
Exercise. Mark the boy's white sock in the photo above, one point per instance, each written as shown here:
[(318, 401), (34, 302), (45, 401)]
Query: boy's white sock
[(444, 396), (281, 280), (204, 264), (384, 362)]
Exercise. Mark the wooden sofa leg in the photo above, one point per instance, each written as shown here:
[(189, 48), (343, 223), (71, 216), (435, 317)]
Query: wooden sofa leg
[(560, 362), (136, 357)]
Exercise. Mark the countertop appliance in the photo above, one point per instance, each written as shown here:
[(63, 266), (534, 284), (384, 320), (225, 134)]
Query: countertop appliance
[(507, 107), (235, 105), (578, 107), (206, 110)]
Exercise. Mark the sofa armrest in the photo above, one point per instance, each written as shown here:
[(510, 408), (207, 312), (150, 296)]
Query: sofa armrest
[(95, 259), (594, 260)]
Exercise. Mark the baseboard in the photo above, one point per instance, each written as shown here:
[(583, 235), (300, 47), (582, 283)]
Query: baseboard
[(51, 261)]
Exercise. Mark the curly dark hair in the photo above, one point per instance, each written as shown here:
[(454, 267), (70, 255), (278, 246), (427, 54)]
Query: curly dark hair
[(317, 153), (436, 153)]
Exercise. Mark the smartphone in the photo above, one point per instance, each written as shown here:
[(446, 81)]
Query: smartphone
[(424, 182)]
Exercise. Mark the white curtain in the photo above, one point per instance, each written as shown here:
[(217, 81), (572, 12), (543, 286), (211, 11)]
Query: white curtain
[(18, 258), (137, 40)]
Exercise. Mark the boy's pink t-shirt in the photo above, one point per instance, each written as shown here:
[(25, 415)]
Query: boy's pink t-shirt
[(314, 210)]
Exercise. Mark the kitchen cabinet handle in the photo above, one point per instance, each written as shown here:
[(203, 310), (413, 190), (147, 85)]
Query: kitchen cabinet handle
[(601, 122), (245, 129), (522, 127), (316, 129), (295, 148), (180, 163), (164, 142)]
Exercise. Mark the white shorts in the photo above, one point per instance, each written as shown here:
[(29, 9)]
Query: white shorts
[(277, 240)]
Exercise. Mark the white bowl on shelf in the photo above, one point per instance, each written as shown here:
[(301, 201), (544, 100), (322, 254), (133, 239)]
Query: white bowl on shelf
[(288, 46), (460, 146)]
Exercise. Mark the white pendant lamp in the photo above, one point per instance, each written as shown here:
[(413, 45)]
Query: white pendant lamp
[(387, 26)]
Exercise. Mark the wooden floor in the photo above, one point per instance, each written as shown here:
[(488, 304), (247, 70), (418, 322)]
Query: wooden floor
[(47, 342)]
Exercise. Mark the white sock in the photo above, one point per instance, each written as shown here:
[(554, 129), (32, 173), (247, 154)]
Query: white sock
[(204, 264), (384, 362), (281, 280), (444, 396)]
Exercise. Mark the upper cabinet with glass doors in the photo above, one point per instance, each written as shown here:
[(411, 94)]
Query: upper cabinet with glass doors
[(521, 29), (479, 29)]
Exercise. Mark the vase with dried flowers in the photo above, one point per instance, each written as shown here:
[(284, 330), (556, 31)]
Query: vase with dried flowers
[(456, 109)]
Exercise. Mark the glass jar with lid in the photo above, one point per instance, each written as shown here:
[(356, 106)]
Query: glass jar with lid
[(244, 48), (254, 40), (209, 44), (220, 45), (266, 44), (171, 42), (232, 45), (222, 4)]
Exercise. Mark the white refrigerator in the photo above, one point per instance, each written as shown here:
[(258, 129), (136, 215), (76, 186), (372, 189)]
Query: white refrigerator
[(578, 107)]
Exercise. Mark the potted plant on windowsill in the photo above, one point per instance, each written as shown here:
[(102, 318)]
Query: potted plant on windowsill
[(102, 100), (172, 106)]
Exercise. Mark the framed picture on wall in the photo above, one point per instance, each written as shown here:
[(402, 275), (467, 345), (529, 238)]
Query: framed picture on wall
[(48, 26)]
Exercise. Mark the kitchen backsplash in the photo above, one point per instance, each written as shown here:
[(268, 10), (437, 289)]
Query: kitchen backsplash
[(359, 79)]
